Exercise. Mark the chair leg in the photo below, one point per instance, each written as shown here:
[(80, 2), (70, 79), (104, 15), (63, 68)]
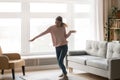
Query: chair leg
[(13, 74), (23, 70), (2, 71)]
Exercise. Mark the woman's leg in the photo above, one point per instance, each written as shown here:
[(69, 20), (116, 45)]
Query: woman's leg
[(58, 51), (61, 52), (62, 55)]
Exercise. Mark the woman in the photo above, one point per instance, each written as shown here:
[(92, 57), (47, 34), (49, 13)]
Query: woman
[(59, 36)]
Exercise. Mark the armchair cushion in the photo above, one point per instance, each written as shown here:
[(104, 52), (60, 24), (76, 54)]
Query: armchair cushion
[(16, 63), (13, 56)]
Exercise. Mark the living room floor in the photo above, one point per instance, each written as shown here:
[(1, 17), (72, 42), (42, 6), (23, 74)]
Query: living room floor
[(51, 75)]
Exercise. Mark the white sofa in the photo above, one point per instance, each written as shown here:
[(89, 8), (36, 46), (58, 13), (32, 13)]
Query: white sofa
[(100, 58)]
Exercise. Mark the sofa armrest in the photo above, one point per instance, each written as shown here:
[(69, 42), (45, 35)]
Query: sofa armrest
[(4, 62), (13, 56), (75, 53), (114, 65)]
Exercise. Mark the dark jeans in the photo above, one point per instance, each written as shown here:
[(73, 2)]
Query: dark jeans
[(61, 52)]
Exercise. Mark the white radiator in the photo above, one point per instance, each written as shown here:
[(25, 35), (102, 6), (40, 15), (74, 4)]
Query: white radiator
[(40, 61)]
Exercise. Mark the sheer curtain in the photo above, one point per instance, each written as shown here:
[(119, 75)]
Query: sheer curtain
[(98, 19), (92, 26)]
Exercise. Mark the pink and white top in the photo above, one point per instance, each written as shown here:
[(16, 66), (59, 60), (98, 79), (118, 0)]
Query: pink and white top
[(58, 35)]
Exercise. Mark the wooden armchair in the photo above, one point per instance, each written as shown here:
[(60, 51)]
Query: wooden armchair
[(11, 61)]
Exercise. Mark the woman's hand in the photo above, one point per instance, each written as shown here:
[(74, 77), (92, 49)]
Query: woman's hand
[(72, 31), (32, 40)]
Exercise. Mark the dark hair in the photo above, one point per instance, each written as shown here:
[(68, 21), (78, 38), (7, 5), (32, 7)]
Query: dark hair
[(59, 18)]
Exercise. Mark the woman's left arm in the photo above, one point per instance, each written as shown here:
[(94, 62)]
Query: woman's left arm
[(69, 33)]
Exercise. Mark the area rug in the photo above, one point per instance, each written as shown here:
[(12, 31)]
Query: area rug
[(25, 78), (53, 75), (29, 78), (70, 77), (81, 76)]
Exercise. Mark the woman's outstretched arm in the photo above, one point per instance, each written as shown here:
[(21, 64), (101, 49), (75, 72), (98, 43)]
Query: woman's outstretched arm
[(41, 34)]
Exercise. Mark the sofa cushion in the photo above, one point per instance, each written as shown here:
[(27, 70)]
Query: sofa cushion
[(113, 50), (98, 63), (96, 48), (81, 59)]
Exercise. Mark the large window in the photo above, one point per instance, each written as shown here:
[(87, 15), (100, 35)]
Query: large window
[(38, 25), (48, 7), (10, 26), (10, 7), (80, 8), (22, 20), (10, 34), (82, 24), (84, 32)]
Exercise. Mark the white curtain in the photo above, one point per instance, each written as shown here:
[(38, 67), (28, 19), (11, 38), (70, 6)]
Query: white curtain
[(98, 19)]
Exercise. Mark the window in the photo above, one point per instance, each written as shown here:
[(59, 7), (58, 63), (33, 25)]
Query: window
[(48, 7), (82, 23), (44, 43), (80, 8), (10, 7), (38, 25), (23, 20), (10, 34), (84, 32)]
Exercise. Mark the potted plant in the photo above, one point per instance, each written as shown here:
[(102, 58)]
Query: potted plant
[(114, 11)]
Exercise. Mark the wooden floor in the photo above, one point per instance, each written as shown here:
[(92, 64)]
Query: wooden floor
[(51, 75)]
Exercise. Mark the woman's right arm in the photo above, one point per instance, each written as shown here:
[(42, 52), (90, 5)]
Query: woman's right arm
[(41, 34)]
